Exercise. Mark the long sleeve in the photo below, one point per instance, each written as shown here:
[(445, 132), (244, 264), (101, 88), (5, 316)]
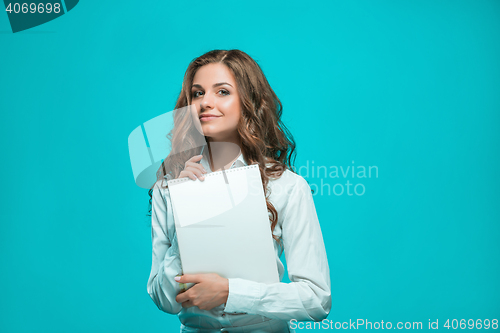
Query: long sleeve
[(162, 288), (308, 295)]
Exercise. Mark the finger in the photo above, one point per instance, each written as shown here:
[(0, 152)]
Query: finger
[(193, 165), (195, 158), (190, 278), (189, 174), (197, 172), (194, 161), (192, 175), (182, 297)]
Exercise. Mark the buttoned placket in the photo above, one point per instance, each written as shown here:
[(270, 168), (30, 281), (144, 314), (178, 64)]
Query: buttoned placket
[(224, 321)]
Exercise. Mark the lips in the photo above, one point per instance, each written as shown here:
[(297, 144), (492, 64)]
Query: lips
[(207, 117)]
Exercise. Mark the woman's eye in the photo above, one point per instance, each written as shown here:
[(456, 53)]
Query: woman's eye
[(224, 92), (195, 94)]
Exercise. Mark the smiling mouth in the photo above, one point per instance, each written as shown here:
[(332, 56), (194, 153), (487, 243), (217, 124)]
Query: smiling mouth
[(208, 118)]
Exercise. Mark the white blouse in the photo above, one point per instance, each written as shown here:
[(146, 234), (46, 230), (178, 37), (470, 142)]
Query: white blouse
[(306, 297)]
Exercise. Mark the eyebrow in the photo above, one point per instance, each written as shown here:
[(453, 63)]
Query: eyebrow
[(215, 85)]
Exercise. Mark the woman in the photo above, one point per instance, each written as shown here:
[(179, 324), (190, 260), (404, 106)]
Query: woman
[(236, 105)]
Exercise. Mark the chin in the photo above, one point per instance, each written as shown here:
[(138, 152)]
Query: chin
[(208, 131), (214, 136), (210, 134)]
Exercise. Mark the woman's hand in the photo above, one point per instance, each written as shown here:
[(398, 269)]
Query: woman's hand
[(210, 290), (192, 169)]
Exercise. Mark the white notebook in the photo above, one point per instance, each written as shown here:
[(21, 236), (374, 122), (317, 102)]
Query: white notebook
[(223, 225)]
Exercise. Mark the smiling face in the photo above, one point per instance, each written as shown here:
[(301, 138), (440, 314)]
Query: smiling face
[(215, 96)]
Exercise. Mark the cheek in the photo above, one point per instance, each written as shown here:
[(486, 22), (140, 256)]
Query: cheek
[(231, 108), (234, 118)]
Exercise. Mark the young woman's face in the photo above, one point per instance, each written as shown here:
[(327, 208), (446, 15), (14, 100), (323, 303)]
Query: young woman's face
[(215, 96)]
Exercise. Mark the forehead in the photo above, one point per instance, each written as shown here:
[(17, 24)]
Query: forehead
[(213, 73)]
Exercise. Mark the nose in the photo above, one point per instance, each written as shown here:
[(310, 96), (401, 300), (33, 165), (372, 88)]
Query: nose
[(207, 102)]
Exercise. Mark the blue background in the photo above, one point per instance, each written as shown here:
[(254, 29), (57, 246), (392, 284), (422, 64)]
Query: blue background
[(412, 88)]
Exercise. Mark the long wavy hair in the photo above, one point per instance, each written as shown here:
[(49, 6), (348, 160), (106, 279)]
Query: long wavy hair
[(265, 140)]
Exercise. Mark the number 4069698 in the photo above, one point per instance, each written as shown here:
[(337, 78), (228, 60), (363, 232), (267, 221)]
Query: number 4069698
[(471, 324), (33, 8)]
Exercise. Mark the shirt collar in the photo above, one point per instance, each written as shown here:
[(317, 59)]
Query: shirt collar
[(239, 162)]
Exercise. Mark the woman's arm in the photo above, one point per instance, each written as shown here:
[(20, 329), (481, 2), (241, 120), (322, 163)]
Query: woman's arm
[(308, 296), (162, 288)]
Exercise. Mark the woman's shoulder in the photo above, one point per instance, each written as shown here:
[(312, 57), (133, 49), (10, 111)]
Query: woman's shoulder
[(290, 181), (161, 187)]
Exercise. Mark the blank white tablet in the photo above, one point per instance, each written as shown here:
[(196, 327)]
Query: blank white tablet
[(223, 227)]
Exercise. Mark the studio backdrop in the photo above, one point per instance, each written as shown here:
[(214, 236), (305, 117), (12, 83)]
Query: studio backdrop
[(394, 105)]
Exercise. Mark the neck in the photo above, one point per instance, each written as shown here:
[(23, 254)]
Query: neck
[(222, 154)]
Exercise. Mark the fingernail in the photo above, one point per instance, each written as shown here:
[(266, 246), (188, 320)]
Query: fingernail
[(177, 278), (205, 171)]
